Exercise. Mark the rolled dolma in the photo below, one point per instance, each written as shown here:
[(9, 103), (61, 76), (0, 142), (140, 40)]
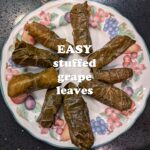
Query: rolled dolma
[(52, 103), (77, 117), (79, 16), (108, 94), (28, 55), (24, 83), (111, 50), (46, 37), (113, 76)]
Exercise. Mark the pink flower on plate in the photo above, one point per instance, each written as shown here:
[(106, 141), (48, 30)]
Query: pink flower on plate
[(59, 125), (102, 15), (19, 99), (134, 55), (125, 64), (65, 136), (99, 17), (134, 65), (44, 130), (114, 121), (109, 111), (127, 60), (10, 72), (113, 118), (138, 71), (28, 38), (59, 122), (138, 68), (59, 130), (142, 66), (45, 18), (133, 49), (128, 90), (93, 22)]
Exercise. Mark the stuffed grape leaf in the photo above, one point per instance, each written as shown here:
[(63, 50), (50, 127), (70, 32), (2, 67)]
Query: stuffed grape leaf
[(77, 117), (108, 94)]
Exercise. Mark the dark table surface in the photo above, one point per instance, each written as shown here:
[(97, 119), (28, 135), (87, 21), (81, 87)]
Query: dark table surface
[(13, 137)]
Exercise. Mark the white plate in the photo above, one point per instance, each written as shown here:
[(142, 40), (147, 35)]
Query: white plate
[(107, 123)]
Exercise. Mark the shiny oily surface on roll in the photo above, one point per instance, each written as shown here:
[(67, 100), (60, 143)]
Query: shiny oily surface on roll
[(79, 16), (27, 82), (113, 76), (77, 116), (51, 105), (111, 50), (28, 55), (108, 94), (46, 37)]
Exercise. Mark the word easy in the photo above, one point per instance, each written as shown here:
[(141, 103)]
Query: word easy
[(78, 49)]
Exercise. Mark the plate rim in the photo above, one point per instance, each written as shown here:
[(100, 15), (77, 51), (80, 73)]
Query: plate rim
[(19, 123)]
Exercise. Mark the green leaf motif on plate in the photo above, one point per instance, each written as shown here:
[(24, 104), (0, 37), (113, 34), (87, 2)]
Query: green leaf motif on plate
[(53, 134), (126, 83), (35, 19), (136, 77), (62, 21), (140, 58), (51, 26), (124, 31), (138, 94), (22, 112), (66, 7), (35, 117), (93, 11), (99, 26), (37, 108), (103, 114), (19, 37), (11, 48), (122, 117), (53, 16)]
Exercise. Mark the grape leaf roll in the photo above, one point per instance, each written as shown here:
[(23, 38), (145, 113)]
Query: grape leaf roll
[(28, 55), (77, 117), (52, 103), (113, 76), (108, 94), (111, 50), (27, 82), (79, 16), (46, 37)]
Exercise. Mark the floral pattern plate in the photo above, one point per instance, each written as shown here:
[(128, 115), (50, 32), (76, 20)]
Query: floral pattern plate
[(105, 23)]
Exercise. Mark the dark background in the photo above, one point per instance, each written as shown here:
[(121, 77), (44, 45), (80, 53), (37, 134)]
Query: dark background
[(13, 137)]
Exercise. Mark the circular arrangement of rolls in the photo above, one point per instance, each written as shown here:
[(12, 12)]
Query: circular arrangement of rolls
[(75, 109)]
